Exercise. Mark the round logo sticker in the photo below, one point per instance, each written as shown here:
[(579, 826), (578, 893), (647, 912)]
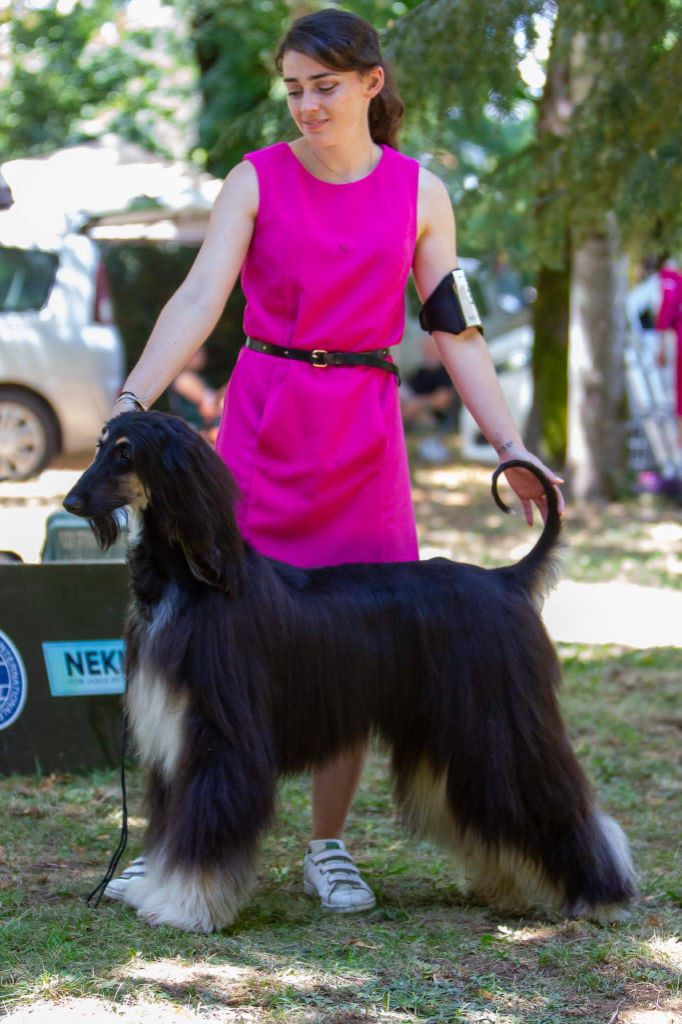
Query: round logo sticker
[(12, 682)]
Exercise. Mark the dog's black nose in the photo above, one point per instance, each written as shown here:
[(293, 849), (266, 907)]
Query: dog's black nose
[(72, 503)]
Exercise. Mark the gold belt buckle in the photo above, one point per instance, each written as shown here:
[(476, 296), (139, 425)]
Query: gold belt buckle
[(316, 355)]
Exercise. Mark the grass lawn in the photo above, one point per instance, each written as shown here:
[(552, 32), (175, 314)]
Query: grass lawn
[(424, 955)]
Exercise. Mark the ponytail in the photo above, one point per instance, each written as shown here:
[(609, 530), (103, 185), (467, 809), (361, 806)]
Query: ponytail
[(386, 112)]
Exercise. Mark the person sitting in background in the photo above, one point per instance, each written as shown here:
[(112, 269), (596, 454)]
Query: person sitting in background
[(190, 397), (427, 396), (428, 400), (669, 318)]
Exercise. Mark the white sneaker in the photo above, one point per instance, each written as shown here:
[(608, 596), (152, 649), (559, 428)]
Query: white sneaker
[(117, 887), (330, 873)]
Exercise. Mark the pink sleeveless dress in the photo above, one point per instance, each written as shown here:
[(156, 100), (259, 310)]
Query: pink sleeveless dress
[(318, 453)]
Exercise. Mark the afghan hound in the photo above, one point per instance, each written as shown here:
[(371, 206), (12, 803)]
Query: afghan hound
[(241, 668)]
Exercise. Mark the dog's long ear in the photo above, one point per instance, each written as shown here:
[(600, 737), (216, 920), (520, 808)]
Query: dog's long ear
[(193, 496), (208, 564)]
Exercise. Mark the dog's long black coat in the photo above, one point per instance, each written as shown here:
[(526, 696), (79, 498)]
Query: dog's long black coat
[(241, 668)]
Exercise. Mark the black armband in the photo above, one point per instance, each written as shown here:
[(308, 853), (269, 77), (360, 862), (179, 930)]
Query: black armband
[(450, 307)]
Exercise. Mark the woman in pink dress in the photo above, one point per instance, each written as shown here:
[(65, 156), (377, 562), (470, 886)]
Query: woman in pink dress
[(324, 231), (669, 317)]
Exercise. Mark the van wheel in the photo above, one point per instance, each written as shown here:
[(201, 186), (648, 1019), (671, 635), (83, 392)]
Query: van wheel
[(28, 435)]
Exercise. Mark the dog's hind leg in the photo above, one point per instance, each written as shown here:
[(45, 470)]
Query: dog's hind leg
[(426, 810), (201, 872), (578, 869), (536, 815), (532, 836)]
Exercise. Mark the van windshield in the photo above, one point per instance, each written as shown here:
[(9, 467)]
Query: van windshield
[(26, 276)]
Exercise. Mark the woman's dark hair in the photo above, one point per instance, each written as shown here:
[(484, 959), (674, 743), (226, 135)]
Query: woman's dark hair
[(345, 42)]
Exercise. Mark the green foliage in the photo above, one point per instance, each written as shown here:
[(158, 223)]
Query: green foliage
[(73, 75), (463, 54), (623, 146), (469, 111), (234, 45)]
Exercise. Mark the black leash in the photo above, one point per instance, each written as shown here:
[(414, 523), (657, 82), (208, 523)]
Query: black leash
[(98, 891)]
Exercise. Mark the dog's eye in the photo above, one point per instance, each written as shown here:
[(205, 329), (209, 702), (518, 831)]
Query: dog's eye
[(124, 452)]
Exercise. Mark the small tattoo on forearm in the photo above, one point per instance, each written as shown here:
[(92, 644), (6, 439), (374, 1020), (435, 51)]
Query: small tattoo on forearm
[(504, 447)]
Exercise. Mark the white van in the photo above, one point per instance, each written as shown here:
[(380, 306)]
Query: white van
[(61, 357)]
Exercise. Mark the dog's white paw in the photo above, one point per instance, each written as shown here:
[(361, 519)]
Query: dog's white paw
[(149, 918), (171, 919), (610, 913), (602, 913)]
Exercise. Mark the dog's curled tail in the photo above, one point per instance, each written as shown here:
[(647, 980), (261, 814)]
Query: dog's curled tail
[(537, 571)]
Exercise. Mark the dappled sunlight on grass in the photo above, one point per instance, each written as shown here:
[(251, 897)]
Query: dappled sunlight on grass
[(526, 933), (669, 949), (638, 540)]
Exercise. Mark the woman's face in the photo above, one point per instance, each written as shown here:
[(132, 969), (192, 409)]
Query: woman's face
[(328, 106)]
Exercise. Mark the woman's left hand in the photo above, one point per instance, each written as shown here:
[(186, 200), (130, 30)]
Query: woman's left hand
[(528, 488)]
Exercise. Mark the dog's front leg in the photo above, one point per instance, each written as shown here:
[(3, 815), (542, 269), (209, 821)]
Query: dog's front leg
[(202, 869)]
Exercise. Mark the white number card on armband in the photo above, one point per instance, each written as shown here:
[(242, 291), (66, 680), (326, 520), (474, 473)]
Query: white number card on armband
[(466, 300)]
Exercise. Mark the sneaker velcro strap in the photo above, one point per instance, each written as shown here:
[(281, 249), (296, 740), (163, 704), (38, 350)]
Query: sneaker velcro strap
[(135, 870), (354, 882), (340, 863), (328, 855)]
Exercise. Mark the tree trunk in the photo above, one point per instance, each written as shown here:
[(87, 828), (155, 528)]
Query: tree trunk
[(597, 407), (546, 430), (596, 378)]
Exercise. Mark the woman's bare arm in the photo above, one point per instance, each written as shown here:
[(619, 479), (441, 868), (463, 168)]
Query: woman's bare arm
[(466, 355), (193, 310)]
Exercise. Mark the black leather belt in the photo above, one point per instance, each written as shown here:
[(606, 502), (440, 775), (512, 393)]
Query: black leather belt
[(321, 358)]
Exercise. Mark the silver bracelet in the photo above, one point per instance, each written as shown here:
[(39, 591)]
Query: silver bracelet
[(130, 396)]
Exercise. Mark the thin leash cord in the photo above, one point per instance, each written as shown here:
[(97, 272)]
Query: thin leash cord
[(98, 891)]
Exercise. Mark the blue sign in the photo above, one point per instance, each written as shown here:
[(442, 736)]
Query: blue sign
[(13, 684), (85, 668)]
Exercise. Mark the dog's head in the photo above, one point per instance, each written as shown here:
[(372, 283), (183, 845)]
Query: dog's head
[(110, 483), (158, 466)]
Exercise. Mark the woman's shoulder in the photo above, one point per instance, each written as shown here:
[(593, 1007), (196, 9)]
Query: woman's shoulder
[(240, 186), (430, 183), (433, 192), (434, 205)]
